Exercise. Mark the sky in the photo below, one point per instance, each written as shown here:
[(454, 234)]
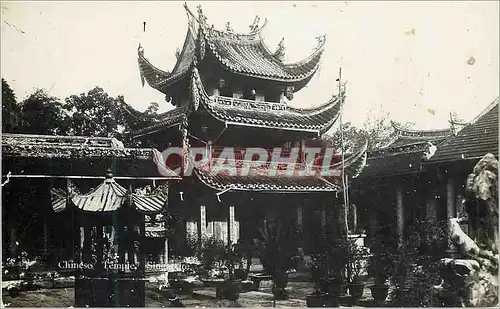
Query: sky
[(418, 61)]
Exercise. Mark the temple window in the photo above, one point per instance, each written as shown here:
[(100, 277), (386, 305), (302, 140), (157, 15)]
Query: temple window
[(238, 94), (259, 96), (215, 92), (282, 97)]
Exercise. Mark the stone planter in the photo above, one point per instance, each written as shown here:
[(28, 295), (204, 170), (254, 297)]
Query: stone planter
[(240, 274), (335, 287), (317, 300), (379, 292), (231, 289), (356, 290), (279, 291), (102, 292)]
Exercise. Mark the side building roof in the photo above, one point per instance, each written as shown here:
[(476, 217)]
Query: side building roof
[(475, 140), (404, 153)]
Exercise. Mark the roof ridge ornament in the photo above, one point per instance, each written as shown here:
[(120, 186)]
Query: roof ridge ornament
[(140, 50), (254, 27), (229, 29), (321, 40), (280, 51), (202, 19)]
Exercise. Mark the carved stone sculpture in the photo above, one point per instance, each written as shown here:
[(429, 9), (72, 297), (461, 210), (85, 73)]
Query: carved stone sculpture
[(475, 275)]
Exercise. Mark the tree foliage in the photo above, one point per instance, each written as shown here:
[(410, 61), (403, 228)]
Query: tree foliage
[(42, 114), (377, 130), (10, 108), (94, 113)]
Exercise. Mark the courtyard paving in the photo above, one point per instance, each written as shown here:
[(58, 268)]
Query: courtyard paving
[(62, 295)]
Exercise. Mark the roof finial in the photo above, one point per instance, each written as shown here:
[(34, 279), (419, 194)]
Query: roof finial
[(280, 51), (255, 26), (201, 17), (321, 40), (109, 174), (140, 50), (177, 53), (229, 28)]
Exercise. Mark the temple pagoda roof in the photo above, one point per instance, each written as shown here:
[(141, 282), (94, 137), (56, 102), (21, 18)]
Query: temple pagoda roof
[(263, 182), (476, 139), (403, 137), (241, 112), (404, 153), (240, 53)]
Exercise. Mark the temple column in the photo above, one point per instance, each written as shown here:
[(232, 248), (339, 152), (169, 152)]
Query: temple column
[(451, 211), (430, 209), (45, 237), (165, 251), (353, 213), (299, 217), (82, 243), (13, 245), (400, 211), (142, 251), (203, 221), (230, 226), (323, 219)]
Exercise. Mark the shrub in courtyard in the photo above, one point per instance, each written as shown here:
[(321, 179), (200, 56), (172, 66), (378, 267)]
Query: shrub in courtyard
[(276, 247), (213, 253), (417, 265)]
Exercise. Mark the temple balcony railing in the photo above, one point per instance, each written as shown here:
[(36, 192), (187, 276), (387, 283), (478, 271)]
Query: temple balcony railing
[(248, 104)]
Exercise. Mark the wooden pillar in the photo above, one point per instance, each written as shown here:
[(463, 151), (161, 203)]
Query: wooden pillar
[(45, 237), (142, 251), (230, 225), (400, 211), (299, 216), (323, 219), (82, 243), (451, 211), (203, 221), (165, 251), (13, 244), (430, 206), (353, 213)]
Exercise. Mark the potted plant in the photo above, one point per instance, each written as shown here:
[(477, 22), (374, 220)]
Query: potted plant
[(336, 248), (317, 268), (276, 247), (241, 250), (357, 255), (232, 285), (381, 262)]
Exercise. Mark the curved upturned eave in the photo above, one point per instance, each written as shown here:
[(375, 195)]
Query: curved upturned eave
[(317, 120), (354, 163), (402, 132), (326, 186), (166, 120), (165, 78), (308, 66)]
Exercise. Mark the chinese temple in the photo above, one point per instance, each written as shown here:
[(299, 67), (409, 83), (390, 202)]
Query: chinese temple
[(421, 175), (229, 89)]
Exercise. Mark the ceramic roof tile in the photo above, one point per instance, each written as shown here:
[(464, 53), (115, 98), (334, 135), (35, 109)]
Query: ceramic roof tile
[(474, 140), (244, 54)]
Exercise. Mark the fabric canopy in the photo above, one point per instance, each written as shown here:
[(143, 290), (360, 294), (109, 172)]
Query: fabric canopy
[(107, 197)]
